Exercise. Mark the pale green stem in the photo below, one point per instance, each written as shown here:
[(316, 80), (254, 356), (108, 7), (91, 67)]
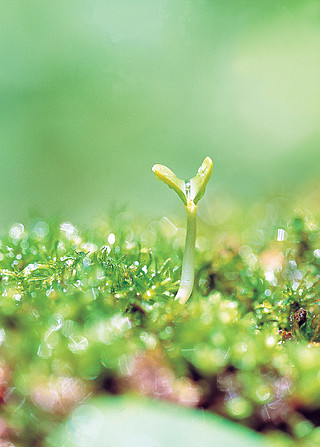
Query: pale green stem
[(187, 277)]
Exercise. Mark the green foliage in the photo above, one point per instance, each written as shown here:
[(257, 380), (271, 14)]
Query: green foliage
[(78, 307)]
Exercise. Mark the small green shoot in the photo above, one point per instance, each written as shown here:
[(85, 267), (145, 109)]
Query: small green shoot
[(190, 192)]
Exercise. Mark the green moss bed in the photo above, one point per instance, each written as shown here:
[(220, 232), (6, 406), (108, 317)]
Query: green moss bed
[(91, 312)]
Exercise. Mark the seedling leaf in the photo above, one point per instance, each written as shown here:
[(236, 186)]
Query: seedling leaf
[(167, 176), (199, 182)]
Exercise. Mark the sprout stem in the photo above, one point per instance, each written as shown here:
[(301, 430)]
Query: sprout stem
[(190, 192), (187, 276)]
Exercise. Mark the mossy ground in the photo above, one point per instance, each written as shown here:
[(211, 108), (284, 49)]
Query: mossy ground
[(93, 311)]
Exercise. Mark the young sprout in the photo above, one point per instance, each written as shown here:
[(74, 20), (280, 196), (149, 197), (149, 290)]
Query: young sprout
[(190, 192)]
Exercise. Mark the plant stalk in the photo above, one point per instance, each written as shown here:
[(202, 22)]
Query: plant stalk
[(187, 276)]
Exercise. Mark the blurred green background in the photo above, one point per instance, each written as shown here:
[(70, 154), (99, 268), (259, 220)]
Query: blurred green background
[(94, 92)]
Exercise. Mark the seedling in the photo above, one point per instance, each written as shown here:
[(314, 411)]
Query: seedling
[(190, 192)]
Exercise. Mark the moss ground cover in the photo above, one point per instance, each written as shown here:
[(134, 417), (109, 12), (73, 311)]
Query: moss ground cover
[(91, 312)]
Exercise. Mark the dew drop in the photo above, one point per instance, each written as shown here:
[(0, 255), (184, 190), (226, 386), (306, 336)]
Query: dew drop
[(187, 186), (69, 230), (16, 231), (317, 253), (111, 238), (17, 296), (41, 230), (282, 235)]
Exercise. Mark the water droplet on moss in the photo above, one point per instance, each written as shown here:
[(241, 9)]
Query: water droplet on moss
[(263, 393), (16, 231), (111, 238), (40, 230), (238, 407)]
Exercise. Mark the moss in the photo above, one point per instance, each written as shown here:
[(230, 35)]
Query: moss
[(78, 307)]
